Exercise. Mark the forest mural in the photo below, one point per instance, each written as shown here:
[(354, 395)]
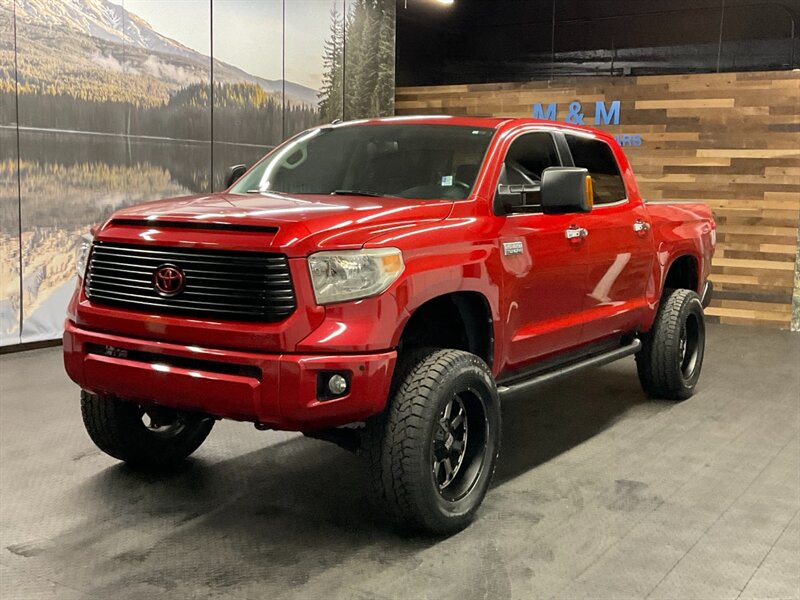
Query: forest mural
[(105, 104), (358, 80)]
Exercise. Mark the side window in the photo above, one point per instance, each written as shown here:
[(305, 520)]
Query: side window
[(527, 157), (597, 157)]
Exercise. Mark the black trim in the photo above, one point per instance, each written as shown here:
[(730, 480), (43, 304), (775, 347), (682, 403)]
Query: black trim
[(26, 346), (595, 360), (561, 360), (195, 225), (708, 292), (323, 393), (151, 358), (564, 152)]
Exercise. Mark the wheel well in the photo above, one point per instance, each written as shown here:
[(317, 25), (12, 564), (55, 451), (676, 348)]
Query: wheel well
[(461, 320), (682, 274)]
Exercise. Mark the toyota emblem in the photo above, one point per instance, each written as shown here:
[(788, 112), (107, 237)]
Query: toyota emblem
[(168, 280)]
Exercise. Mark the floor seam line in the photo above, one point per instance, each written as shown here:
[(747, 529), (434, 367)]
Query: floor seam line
[(763, 558), (721, 514), (745, 429)]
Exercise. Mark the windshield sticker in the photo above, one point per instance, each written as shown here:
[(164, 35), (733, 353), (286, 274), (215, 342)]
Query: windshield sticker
[(447, 180)]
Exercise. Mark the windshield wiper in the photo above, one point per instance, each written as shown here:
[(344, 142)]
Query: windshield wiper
[(357, 193)]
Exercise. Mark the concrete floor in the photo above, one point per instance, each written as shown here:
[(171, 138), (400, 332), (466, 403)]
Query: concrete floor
[(599, 493)]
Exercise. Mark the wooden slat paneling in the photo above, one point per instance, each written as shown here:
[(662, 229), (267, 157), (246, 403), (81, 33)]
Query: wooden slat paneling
[(730, 139)]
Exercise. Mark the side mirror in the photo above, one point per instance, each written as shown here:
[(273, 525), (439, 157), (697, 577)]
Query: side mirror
[(566, 190), (232, 174), (515, 197)]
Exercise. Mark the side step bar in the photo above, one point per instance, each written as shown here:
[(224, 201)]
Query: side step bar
[(593, 361)]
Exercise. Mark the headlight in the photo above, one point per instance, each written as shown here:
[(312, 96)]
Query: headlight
[(353, 274), (82, 254)]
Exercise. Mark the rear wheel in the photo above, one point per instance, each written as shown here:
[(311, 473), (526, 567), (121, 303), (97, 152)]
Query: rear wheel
[(152, 438), (433, 453), (671, 357)]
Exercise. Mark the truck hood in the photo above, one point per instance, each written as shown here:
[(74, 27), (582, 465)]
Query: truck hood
[(293, 224)]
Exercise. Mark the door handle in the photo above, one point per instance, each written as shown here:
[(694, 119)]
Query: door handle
[(641, 227), (575, 233)]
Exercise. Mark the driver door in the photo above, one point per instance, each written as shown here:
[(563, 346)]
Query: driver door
[(544, 270)]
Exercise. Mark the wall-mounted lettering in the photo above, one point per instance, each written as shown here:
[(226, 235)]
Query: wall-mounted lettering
[(605, 113)]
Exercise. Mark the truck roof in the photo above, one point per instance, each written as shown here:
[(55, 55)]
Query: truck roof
[(489, 122)]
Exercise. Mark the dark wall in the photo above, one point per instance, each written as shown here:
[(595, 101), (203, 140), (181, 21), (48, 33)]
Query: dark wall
[(512, 40)]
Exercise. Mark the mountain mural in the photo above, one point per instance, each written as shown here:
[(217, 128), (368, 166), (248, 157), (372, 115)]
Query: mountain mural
[(98, 37)]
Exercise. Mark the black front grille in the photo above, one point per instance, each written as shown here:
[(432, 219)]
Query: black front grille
[(219, 284)]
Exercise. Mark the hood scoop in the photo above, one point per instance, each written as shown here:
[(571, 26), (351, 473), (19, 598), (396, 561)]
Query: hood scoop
[(196, 225)]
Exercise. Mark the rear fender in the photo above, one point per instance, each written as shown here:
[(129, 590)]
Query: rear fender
[(681, 229)]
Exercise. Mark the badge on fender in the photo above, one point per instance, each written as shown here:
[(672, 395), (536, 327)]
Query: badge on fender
[(512, 248)]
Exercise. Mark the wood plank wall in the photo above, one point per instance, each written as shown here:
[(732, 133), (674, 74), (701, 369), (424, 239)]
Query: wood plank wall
[(731, 140)]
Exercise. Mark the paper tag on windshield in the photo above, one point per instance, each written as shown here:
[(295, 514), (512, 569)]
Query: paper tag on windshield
[(447, 180)]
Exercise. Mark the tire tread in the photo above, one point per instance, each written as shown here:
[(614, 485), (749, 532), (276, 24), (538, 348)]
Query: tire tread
[(115, 427), (657, 359), (391, 439)]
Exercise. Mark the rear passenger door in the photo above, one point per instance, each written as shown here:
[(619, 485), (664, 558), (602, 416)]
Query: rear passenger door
[(620, 246)]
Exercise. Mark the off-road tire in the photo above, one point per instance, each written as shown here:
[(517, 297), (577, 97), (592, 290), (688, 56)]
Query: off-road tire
[(666, 369), (116, 427), (400, 445)]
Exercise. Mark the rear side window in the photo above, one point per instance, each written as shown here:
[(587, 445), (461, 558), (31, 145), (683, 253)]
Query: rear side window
[(597, 157)]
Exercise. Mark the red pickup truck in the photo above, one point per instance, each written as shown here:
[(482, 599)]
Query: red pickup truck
[(383, 284)]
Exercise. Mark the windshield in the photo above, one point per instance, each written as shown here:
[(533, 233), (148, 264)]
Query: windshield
[(402, 160)]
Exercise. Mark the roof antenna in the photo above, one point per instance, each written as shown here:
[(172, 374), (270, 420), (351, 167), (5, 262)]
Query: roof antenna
[(336, 121)]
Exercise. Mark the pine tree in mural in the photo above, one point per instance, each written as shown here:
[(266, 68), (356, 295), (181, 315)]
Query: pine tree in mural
[(359, 62), (330, 95), (383, 96)]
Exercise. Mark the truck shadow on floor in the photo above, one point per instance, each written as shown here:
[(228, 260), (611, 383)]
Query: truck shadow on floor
[(290, 513), (544, 423)]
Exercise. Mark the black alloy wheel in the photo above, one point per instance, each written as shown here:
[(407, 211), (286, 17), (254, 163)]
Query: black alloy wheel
[(671, 357), (432, 453), (458, 447)]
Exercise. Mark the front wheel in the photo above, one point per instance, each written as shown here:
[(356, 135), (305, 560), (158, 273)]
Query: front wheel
[(151, 438), (433, 453), (672, 352)]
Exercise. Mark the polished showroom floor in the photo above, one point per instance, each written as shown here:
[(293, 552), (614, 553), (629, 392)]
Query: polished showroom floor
[(599, 493)]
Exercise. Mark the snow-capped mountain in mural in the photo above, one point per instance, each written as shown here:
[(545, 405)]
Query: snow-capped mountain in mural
[(119, 39), (100, 19)]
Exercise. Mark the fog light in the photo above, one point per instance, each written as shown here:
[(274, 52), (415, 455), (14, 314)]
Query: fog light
[(337, 385)]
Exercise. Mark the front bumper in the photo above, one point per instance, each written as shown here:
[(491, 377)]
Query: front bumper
[(274, 390)]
